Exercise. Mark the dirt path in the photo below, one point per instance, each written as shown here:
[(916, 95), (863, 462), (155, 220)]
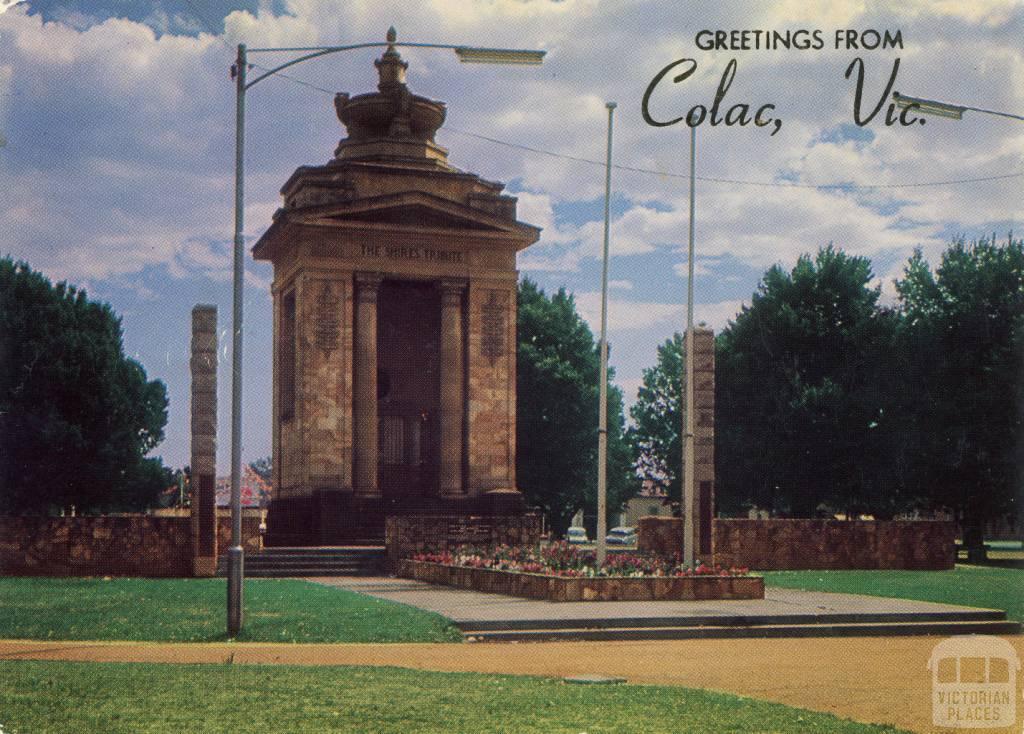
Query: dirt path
[(880, 680)]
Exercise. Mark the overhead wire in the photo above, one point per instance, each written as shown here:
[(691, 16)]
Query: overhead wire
[(671, 174), (740, 182)]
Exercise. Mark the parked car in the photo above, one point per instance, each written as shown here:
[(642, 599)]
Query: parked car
[(621, 536), (576, 536)]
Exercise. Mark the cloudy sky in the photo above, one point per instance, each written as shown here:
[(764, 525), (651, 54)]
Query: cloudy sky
[(118, 117)]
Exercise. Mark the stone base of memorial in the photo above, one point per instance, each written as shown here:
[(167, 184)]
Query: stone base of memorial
[(570, 588)]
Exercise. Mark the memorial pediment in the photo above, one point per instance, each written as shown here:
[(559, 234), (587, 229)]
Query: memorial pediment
[(410, 212), (412, 209)]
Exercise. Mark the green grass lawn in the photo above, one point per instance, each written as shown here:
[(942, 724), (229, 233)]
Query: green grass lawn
[(40, 697), (1001, 552), (1005, 545), (194, 610), (978, 586)]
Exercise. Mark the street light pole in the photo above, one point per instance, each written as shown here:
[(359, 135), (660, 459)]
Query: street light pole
[(688, 428), (602, 420), (236, 554), (466, 54)]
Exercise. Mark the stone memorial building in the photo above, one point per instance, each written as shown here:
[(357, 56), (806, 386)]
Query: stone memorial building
[(394, 299)]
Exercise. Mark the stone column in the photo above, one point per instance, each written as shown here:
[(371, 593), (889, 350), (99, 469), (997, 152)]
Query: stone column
[(453, 402), (704, 443), (365, 389), (204, 440)]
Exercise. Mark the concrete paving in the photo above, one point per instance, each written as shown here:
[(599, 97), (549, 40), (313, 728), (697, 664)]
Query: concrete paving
[(783, 612)]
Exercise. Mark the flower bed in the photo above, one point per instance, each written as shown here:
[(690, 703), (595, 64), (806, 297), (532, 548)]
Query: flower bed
[(564, 573), (563, 559)]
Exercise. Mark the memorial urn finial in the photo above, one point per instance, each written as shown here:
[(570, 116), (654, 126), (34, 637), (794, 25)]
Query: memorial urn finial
[(390, 65)]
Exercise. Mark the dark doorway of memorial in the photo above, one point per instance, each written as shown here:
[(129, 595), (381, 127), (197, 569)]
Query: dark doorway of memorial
[(408, 392)]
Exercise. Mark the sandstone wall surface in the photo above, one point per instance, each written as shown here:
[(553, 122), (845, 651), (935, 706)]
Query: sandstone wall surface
[(773, 545), (409, 534), (121, 545)]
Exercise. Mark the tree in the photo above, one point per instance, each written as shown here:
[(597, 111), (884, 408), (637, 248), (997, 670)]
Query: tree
[(657, 419), (803, 381), (962, 340), (264, 468), (557, 410), (76, 416), (178, 493)]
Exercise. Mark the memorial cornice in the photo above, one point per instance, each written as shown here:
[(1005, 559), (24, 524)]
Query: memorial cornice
[(412, 212)]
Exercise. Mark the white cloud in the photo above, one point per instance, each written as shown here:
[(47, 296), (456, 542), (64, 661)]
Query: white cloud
[(717, 315), (683, 269), (131, 132), (991, 12), (626, 315), (630, 387)]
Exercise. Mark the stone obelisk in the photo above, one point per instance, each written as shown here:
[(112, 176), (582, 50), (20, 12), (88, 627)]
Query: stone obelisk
[(204, 440)]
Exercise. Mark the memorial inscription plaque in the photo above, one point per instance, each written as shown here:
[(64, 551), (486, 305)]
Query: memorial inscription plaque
[(492, 338), (327, 319)]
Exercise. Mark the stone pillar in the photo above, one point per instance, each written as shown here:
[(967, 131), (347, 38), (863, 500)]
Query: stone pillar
[(365, 389), (704, 443), (453, 375), (204, 440)]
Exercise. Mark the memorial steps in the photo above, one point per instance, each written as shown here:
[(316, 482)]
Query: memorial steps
[(311, 561), (987, 622)]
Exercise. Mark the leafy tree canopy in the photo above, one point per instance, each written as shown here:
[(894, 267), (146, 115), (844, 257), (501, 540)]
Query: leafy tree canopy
[(961, 341), (802, 391), (654, 436), (264, 468), (828, 401), (77, 417), (799, 402), (557, 411)]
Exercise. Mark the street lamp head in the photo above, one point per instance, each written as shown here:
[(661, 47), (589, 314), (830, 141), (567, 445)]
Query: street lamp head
[(929, 106), (470, 55), (610, 105)]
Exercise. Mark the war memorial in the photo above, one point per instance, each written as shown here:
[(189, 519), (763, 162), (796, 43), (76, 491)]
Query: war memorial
[(394, 329)]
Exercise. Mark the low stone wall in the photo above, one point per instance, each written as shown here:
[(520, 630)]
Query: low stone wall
[(114, 545), (405, 535), (660, 535), (558, 588), (250, 532), (775, 545), (835, 544)]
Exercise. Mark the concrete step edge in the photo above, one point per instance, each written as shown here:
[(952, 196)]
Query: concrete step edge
[(315, 559), (303, 573), (320, 551), (313, 567), (510, 625), (823, 630)]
